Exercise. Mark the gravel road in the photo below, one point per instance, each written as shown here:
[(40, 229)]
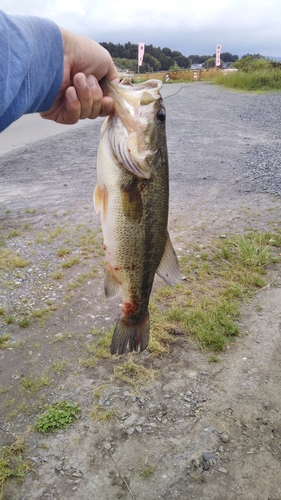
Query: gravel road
[(200, 430)]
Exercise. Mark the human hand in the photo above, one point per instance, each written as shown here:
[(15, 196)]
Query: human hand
[(85, 64)]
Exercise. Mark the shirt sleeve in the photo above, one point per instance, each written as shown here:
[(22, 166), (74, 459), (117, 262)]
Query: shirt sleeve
[(31, 66)]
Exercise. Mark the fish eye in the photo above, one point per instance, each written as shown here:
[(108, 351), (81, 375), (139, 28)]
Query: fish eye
[(161, 115)]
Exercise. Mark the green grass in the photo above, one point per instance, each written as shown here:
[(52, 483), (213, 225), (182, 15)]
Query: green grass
[(24, 322), (254, 81), (71, 262), (12, 463), (206, 305), (33, 385), (146, 470), (4, 341), (11, 260)]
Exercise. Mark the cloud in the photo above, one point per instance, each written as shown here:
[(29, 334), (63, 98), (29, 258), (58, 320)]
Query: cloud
[(190, 26)]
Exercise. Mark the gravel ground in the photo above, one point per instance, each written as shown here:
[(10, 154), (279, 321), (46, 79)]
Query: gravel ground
[(199, 430)]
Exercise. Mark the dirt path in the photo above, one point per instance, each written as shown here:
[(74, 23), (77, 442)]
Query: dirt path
[(199, 430)]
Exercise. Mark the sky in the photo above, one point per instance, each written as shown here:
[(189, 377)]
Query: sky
[(189, 26)]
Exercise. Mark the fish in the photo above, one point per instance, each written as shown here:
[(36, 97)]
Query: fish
[(132, 197)]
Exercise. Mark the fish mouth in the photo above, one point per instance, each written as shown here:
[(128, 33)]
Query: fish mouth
[(129, 98)]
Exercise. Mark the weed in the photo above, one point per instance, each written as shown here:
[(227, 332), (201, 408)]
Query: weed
[(54, 234), (133, 374), (146, 470), (24, 322), (12, 463), (58, 366), (37, 383), (4, 339), (30, 210), (13, 233), (251, 252), (71, 262), (2, 311), (62, 252), (4, 390), (214, 358), (9, 320), (9, 402), (101, 415), (206, 305), (58, 415), (57, 275), (38, 313), (10, 260)]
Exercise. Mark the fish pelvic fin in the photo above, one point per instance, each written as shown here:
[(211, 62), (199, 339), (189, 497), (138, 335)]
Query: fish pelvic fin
[(129, 335), (100, 198), (168, 268), (111, 285)]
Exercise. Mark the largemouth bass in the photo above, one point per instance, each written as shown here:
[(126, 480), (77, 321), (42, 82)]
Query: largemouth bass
[(132, 195)]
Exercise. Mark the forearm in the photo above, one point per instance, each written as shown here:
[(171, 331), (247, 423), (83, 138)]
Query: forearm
[(31, 66)]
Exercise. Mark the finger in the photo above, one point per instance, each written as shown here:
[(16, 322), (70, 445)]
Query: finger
[(86, 89), (96, 96), (107, 106), (70, 111)]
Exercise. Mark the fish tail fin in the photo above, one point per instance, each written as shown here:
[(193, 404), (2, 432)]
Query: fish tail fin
[(130, 333)]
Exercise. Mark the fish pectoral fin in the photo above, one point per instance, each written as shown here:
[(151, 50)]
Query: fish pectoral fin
[(100, 198), (168, 268), (111, 285)]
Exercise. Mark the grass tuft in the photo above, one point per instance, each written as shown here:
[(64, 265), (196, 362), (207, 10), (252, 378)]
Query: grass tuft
[(12, 463), (133, 373)]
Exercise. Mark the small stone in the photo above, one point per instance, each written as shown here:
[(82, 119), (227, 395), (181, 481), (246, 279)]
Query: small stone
[(224, 437), (206, 465), (196, 463), (130, 431), (130, 419), (77, 474), (223, 470), (107, 446)]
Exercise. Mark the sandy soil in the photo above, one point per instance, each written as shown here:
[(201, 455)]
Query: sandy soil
[(199, 430)]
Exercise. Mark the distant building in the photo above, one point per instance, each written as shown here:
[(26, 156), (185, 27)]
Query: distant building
[(196, 66)]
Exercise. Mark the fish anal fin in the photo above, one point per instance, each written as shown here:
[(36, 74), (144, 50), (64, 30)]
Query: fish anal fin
[(111, 285), (130, 335), (101, 200), (168, 268)]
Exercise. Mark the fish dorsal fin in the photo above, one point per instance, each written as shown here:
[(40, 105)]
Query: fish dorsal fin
[(168, 268), (111, 285)]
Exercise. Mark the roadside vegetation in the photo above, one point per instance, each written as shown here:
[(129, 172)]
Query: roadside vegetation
[(205, 306), (255, 73), (12, 463)]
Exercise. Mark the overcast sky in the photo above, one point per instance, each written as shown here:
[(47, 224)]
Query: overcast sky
[(190, 26)]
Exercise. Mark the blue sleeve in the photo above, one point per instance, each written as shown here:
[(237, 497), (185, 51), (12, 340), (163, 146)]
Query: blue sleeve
[(31, 66)]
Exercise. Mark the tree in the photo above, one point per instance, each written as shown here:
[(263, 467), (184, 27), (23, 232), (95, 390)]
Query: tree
[(211, 62)]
